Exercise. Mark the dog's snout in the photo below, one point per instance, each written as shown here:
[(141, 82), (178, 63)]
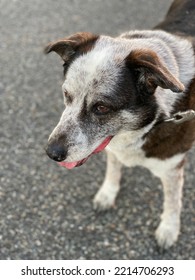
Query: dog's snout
[(56, 151)]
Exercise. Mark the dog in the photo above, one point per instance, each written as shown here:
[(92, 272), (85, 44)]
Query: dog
[(134, 96)]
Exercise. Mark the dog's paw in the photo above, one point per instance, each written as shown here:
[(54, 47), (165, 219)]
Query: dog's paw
[(104, 200), (167, 234)]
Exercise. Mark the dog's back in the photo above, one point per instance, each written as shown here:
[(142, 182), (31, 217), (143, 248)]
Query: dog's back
[(180, 18)]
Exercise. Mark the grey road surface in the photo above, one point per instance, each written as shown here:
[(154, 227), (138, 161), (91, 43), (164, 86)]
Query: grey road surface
[(46, 211)]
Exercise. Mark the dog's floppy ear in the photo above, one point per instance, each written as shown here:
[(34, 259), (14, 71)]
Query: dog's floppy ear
[(68, 47), (151, 72)]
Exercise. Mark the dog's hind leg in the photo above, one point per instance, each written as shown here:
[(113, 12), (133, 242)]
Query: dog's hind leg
[(105, 197), (169, 228)]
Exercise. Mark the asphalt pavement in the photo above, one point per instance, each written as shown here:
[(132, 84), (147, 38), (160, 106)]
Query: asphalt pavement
[(46, 211)]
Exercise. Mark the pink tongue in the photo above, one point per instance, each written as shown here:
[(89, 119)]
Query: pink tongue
[(71, 165), (68, 165), (102, 146)]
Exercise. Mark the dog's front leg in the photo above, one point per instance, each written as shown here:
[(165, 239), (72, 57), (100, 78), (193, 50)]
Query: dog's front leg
[(105, 197), (169, 228)]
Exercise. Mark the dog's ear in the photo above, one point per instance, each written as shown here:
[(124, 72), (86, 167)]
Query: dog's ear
[(68, 47), (151, 72)]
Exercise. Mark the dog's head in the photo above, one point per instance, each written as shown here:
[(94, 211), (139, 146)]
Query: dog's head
[(109, 88)]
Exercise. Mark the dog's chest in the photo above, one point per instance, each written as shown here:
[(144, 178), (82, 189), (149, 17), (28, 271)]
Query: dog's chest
[(128, 150), (130, 153)]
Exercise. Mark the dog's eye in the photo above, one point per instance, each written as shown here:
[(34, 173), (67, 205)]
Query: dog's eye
[(101, 109)]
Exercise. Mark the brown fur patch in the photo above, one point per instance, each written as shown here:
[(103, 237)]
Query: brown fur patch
[(81, 42), (152, 70), (167, 139)]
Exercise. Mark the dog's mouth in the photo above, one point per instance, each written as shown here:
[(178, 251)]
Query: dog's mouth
[(101, 147)]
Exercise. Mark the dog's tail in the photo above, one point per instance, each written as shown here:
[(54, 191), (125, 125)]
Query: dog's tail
[(180, 18)]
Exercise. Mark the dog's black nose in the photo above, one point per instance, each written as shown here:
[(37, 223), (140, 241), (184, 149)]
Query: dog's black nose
[(56, 151)]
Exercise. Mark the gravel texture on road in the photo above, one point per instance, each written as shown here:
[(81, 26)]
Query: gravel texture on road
[(46, 211)]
